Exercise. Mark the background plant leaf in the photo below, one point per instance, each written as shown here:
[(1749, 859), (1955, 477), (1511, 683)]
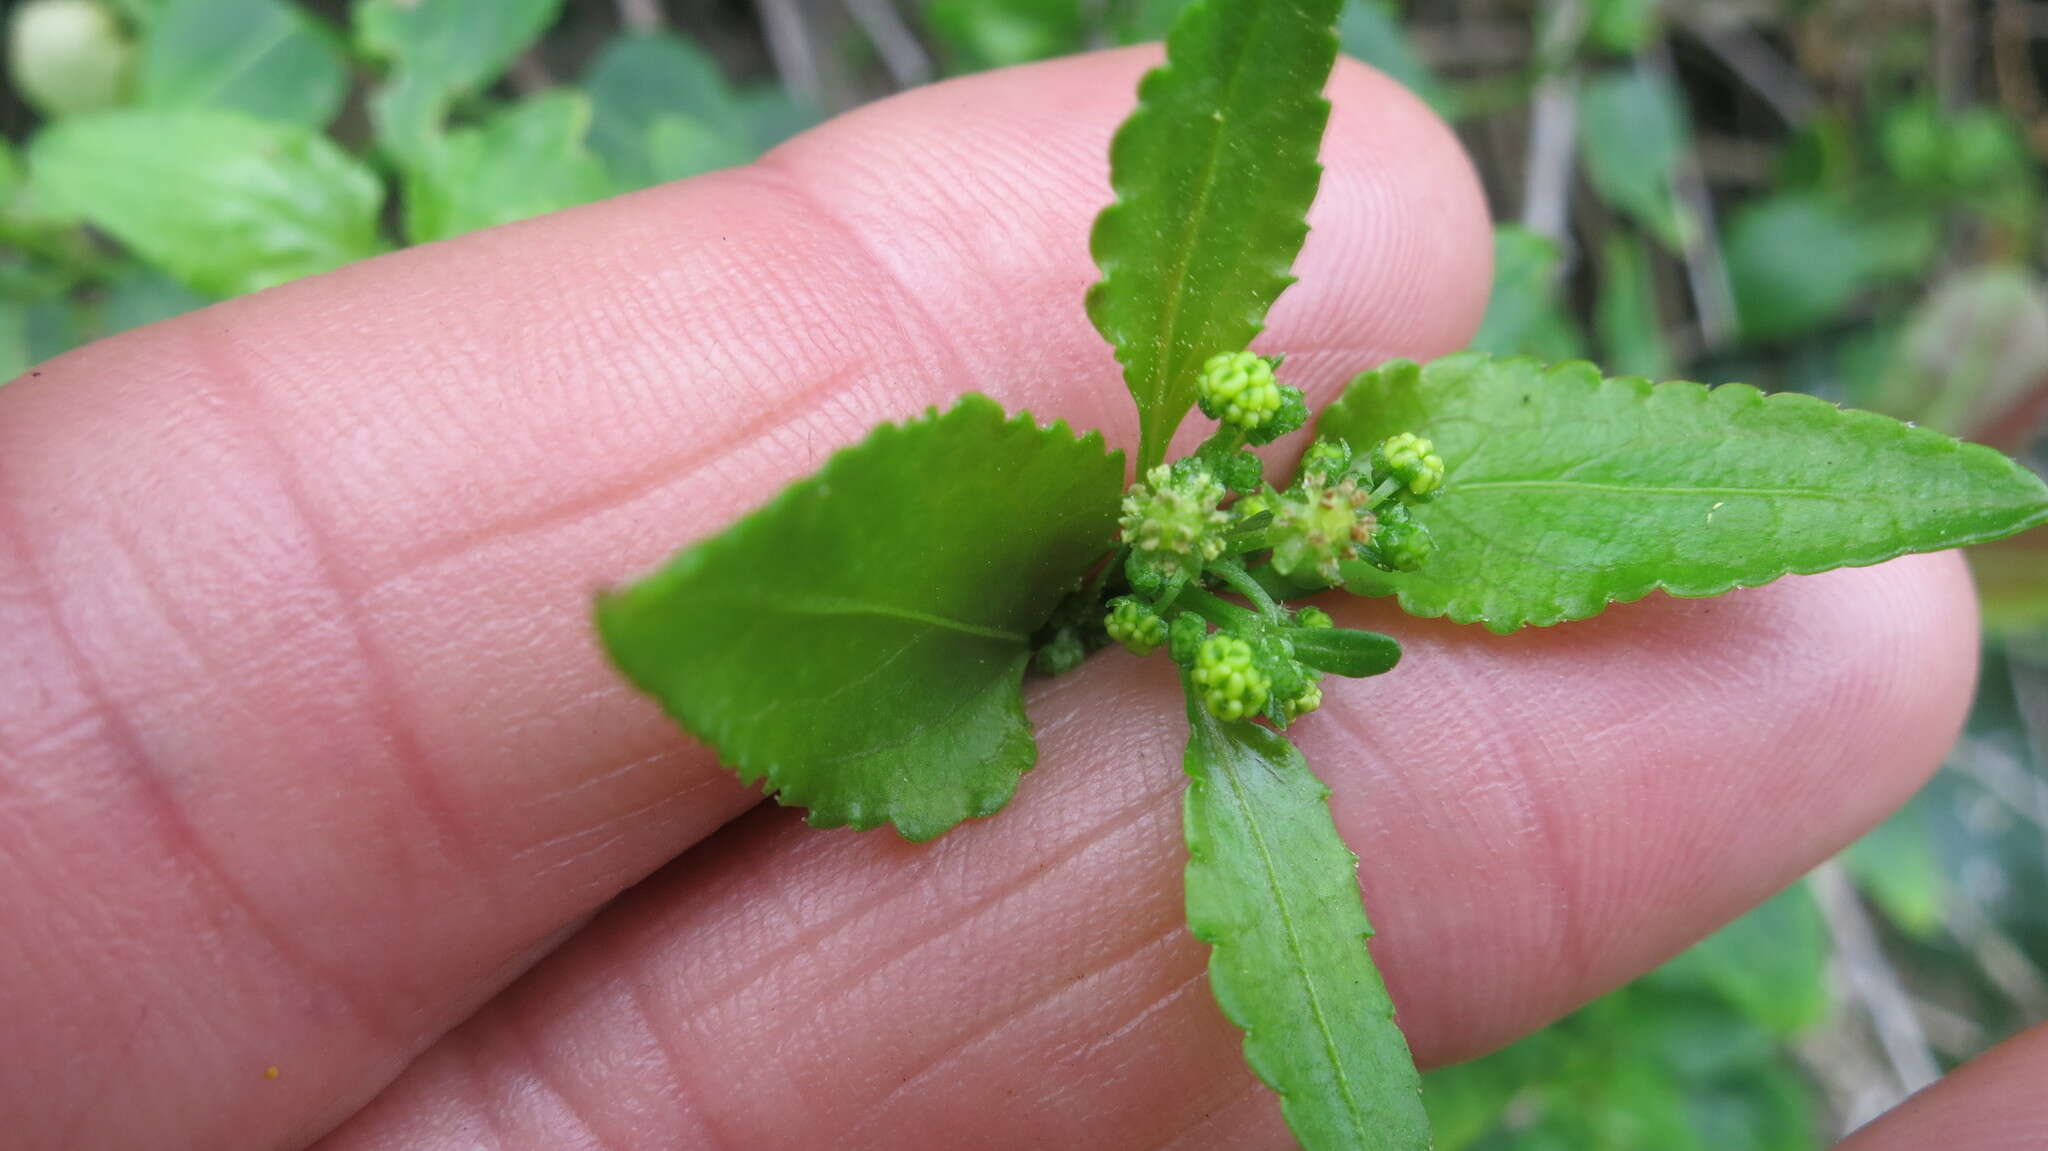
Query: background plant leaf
[(1632, 134), (1525, 315), (860, 641), (664, 111), (223, 202), (440, 51), (268, 58), (527, 160), (1631, 331), (1566, 492), (1213, 174), (1274, 890)]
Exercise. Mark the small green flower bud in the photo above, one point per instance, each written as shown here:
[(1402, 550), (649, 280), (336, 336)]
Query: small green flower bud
[(1239, 470), (1311, 698), (1238, 388), (1316, 527), (1251, 507), (1133, 623), (1313, 617), (1326, 458), (1411, 461), (1402, 544), (1063, 654), (1184, 637), (1172, 523), (1285, 678), (1232, 685)]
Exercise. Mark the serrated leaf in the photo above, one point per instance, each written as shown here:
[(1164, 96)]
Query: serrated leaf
[(526, 160), (859, 642), (1214, 173), (1566, 492), (222, 201), (1274, 890), (268, 58), (440, 51)]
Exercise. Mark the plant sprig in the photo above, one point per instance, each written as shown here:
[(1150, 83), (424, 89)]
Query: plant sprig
[(858, 644)]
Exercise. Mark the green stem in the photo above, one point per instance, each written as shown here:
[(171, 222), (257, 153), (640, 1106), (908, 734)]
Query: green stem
[(1379, 494), (1213, 608), (1243, 584)]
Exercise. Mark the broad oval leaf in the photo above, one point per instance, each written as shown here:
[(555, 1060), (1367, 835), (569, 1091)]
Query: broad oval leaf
[(860, 641), (1213, 174), (1274, 891), (440, 51), (223, 202), (269, 58), (1566, 492), (664, 110), (526, 160)]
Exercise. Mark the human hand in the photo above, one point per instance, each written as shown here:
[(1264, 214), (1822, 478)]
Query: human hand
[(308, 753)]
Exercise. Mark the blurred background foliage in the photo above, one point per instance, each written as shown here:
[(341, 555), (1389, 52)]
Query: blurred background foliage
[(1838, 196)]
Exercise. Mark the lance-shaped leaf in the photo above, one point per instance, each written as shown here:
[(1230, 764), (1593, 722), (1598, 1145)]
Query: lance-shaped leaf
[(1213, 174), (1566, 492), (1343, 651), (860, 641), (1274, 891)]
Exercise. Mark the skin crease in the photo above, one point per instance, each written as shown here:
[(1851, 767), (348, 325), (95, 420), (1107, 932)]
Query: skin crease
[(306, 752)]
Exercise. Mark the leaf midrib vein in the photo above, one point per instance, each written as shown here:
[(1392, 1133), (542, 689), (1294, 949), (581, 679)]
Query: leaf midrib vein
[(1351, 1107), (1647, 489), (838, 605), (1170, 315)]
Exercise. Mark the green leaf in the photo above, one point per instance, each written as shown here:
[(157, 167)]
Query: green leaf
[(1795, 262), (268, 58), (221, 201), (138, 296), (1344, 651), (1623, 27), (1370, 31), (1526, 316), (1213, 174), (10, 172), (1632, 135), (1770, 964), (980, 34), (1631, 331), (640, 87), (1566, 492), (860, 641), (1272, 888), (527, 160), (440, 51), (679, 147), (1896, 867)]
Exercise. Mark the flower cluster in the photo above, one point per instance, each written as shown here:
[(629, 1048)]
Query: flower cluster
[(1184, 549), (1172, 521), (1238, 388)]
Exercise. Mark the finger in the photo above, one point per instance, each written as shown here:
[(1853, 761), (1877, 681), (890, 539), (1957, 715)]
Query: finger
[(1539, 817), (307, 747), (1993, 1103)]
